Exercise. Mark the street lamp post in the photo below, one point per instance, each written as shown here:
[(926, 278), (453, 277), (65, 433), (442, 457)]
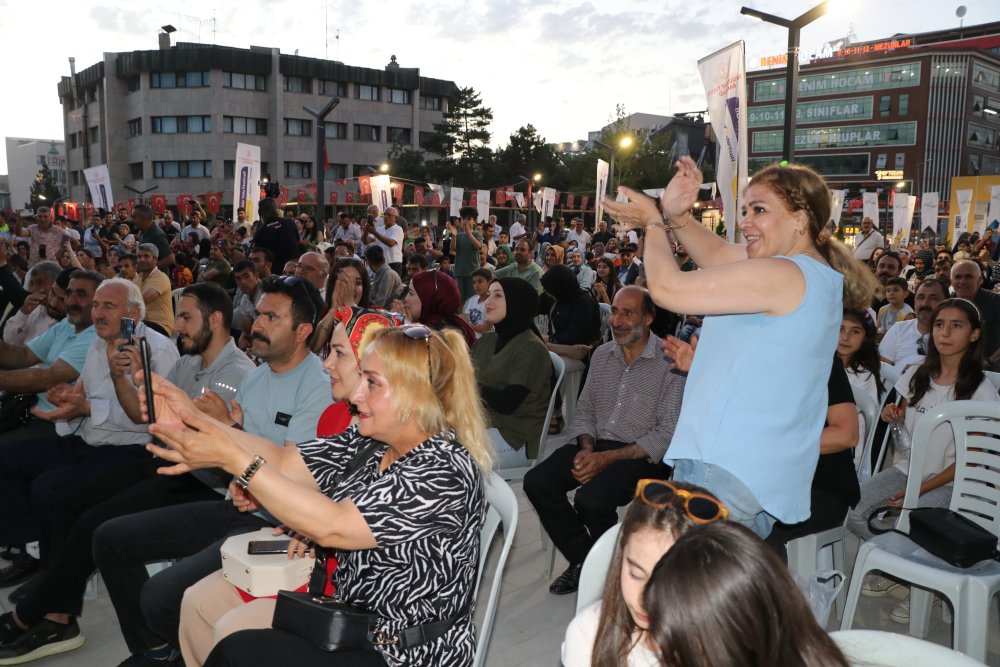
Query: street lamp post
[(320, 117), (794, 27)]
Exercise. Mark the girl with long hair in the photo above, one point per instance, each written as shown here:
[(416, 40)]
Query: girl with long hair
[(857, 349), (615, 632), (719, 596), (772, 310), (951, 371), (607, 283)]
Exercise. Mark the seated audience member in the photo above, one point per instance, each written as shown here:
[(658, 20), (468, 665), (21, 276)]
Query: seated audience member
[(245, 301), (523, 267), (386, 283), (889, 265), (404, 527), (213, 608), (951, 371), (34, 317), (615, 630), (281, 401), (347, 285), (263, 259), (623, 425), (720, 597), (514, 371), (444, 266), (858, 352), (313, 267), (211, 362), (474, 309), (906, 342), (631, 268), (896, 309), (552, 255), (607, 284), (504, 256), (585, 276), (967, 281), (155, 288), (12, 291), (218, 270), (433, 299)]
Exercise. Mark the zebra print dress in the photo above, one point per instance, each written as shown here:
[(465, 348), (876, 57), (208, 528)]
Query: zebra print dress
[(425, 511)]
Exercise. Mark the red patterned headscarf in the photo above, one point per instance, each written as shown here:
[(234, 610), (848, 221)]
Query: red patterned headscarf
[(361, 322)]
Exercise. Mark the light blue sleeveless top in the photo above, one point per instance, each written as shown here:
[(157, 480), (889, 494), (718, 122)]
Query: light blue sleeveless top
[(756, 397)]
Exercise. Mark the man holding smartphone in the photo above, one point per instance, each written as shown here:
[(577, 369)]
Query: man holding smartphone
[(44, 237)]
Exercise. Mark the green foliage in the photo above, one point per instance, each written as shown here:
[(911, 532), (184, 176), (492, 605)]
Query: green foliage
[(461, 139), (44, 191)]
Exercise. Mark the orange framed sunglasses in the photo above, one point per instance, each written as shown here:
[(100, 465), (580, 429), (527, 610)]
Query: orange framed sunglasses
[(700, 507)]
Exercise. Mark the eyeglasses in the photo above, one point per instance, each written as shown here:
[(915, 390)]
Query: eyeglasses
[(700, 507), (293, 282), (420, 332)]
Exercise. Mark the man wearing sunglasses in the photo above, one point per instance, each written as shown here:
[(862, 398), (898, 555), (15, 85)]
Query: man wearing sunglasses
[(624, 421)]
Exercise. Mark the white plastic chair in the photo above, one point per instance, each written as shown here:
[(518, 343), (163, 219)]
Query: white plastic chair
[(864, 648), (976, 495), (890, 375), (502, 512), (595, 568), (804, 552), (605, 320), (994, 378), (510, 474)]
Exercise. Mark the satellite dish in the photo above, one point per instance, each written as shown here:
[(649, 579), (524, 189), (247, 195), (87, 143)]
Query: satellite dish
[(960, 12)]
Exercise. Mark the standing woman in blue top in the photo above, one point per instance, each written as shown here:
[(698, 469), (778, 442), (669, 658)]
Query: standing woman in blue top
[(755, 399)]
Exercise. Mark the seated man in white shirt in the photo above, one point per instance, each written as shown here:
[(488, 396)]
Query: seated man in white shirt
[(905, 343), (35, 317)]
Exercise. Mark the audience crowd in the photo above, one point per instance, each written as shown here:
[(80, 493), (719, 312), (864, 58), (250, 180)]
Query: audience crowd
[(294, 362)]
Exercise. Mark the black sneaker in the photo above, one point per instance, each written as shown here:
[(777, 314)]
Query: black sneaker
[(565, 583), (26, 589), (19, 571), (143, 660), (9, 630), (41, 640)]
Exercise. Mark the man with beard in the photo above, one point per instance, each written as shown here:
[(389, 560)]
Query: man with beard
[(906, 342), (624, 422), (33, 318), (281, 401), (523, 267), (889, 266), (211, 362)]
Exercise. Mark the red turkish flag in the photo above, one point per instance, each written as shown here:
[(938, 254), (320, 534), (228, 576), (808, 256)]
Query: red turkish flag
[(90, 210), (213, 202), (341, 181), (282, 196), (397, 192), (350, 197), (584, 202), (473, 198), (300, 196), (182, 203), (129, 206), (418, 195), (436, 199), (333, 197), (500, 196), (311, 188), (855, 203), (570, 200), (365, 184), (159, 203)]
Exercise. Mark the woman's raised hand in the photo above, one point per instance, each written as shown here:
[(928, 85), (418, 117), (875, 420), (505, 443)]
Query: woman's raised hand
[(635, 213), (682, 190)]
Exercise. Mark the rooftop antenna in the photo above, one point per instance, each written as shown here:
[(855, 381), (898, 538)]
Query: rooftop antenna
[(960, 13), (337, 38)]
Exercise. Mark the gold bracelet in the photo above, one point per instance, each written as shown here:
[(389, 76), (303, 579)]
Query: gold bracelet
[(244, 479)]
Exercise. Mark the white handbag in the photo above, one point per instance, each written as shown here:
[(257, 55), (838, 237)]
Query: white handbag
[(262, 575)]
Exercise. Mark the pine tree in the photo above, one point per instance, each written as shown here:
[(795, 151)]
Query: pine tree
[(44, 190), (461, 138)]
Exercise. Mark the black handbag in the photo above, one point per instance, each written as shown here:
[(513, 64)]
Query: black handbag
[(15, 410), (948, 535)]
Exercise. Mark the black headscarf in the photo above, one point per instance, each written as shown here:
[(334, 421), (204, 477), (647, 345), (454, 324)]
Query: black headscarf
[(561, 283), (522, 306)]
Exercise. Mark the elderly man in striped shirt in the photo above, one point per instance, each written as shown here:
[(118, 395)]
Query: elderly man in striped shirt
[(624, 422)]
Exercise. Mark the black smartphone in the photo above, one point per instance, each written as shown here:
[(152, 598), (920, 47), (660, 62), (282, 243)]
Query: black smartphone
[(41, 250), (126, 330), (147, 378), (268, 546)]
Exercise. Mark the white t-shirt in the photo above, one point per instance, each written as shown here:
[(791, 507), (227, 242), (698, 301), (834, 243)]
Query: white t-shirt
[(864, 247), (941, 452), (475, 311), (516, 229), (899, 345), (865, 381), (581, 634), (582, 239), (393, 254)]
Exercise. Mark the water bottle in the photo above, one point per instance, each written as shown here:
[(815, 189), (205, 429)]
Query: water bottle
[(900, 439)]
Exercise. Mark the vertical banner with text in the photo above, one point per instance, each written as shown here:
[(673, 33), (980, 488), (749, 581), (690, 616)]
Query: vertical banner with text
[(483, 204), (548, 202), (246, 181), (963, 223), (381, 189), (99, 182), (602, 187), (724, 75), (993, 214), (929, 211), (869, 206)]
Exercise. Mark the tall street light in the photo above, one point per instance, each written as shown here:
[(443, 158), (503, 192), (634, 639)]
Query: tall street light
[(794, 27), (624, 142)]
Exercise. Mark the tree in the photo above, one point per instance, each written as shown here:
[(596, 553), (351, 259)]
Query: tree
[(461, 138), (407, 163), (44, 191), (526, 154)]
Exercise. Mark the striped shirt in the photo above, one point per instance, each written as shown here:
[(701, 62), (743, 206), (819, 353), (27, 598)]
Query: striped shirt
[(634, 403)]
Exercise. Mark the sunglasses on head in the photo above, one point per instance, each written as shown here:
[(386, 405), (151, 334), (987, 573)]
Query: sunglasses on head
[(293, 282), (699, 507), (420, 332)]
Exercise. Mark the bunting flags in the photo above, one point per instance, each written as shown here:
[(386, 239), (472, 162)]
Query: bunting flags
[(455, 201), (418, 196), (213, 202), (182, 203), (483, 204), (333, 197), (365, 184)]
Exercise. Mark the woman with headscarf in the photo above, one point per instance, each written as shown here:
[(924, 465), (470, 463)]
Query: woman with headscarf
[(433, 300), (514, 371), (553, 256), (504, 256)]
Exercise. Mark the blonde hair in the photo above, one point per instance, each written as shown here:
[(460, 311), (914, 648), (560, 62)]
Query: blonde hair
[(802, 189), (440, 397)]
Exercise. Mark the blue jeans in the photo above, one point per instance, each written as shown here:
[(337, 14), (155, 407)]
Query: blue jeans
[(743, 507)]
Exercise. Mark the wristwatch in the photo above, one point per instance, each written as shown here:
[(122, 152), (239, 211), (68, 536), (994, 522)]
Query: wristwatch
[(244, 479)]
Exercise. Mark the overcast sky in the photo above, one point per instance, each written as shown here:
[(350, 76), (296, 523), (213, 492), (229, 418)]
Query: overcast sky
[(561, 65)]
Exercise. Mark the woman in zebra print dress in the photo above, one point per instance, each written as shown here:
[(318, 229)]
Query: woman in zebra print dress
[(404, 526)]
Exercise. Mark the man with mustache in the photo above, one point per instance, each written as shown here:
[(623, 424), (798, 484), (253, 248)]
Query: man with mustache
[(33, 318), (280, 400), (906, 342), (967, 281), (211, 362)]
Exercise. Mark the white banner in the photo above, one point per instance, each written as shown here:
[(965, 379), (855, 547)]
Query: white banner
[(99, 182), (246, 180), (962, 222), (536, 201), (869, 206), (518, 197), (455, 201), (993, 215), (836, 205), (724, 75), (929, 211), (381, 192), (902, 217), (483, 204), (602, 187), (911, 206), (548, 201)]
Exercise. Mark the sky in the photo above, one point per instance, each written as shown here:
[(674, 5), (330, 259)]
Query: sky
[(561, 65)]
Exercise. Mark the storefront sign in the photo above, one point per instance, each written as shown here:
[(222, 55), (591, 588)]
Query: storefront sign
[(889, 174)]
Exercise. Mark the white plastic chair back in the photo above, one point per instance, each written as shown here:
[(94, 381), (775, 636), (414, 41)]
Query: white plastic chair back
[(994, 378), (605, 320), (890, 375), (502, 511), (867, 410), (595, 568), (887, 649), (559, 366)]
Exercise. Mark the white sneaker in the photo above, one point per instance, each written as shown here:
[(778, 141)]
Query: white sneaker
[(877, 586), (901, 612)]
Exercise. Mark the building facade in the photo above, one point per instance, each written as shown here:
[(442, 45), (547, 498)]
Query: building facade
[(906, 113), (171, 118), (25, 158)]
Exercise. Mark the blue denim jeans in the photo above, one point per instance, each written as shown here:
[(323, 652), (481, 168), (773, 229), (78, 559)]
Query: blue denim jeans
[(743, 507)]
